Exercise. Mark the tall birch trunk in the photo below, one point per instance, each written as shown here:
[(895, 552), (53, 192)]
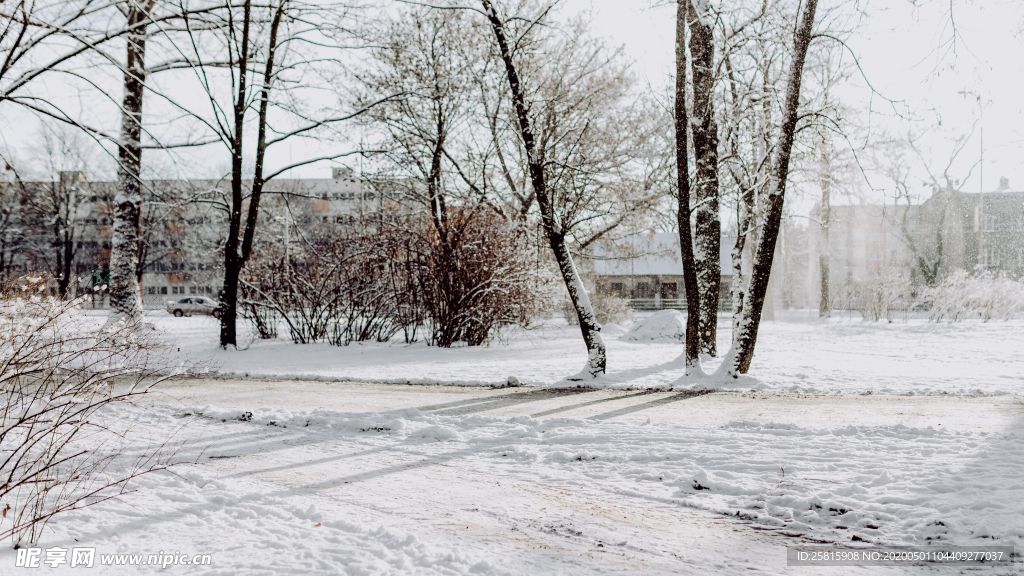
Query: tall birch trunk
[(742, 352), (707, 222), (125, 292), (591, 330)]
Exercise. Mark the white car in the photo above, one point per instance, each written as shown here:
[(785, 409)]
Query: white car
[(194, 305)]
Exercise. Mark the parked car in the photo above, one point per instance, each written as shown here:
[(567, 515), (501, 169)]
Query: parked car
[(194, 305)]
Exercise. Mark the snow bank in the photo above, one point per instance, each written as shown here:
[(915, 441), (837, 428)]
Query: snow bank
[(663, 326)]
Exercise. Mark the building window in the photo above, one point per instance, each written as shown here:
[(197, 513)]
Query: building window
[(669, 291), (163, 289), (643, 290), (990, 223), (618, 289), (991, 257)]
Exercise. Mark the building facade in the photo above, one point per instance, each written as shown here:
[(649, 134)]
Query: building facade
[(981, 231), (184, 223), (647, 270)]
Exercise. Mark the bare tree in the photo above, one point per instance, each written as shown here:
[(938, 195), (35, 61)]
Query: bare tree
[(426, 57), (538, 171), (269, 56), (12, 228), (62, 39), (50, 208), (825, 222), (922, 227), (740, 106), (742, 352)]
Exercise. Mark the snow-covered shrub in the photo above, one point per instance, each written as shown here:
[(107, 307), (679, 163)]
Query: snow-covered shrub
[(877, 296), (961, 296), (62, 442), (37, 285), (608, 308)]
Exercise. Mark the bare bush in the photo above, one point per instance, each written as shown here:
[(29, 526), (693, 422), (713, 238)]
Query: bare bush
[(400, 276), (62, 439), (960, 296), (331, 289), (477, 279)]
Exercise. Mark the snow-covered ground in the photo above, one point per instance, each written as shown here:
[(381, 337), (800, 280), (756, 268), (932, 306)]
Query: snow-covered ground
[(469, 483), (318, 473), (798, 353)]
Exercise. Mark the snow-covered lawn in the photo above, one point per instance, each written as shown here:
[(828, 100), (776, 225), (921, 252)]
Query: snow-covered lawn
[(798, 353), (856, 434), (466, 486)]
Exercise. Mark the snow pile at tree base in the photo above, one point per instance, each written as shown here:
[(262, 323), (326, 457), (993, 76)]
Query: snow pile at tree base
[(663, 326)]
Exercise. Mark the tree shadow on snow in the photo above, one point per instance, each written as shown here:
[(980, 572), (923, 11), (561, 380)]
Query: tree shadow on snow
[(685, 395), (475, 405)]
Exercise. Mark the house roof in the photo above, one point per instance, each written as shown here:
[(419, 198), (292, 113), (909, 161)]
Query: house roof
[(650, 254)]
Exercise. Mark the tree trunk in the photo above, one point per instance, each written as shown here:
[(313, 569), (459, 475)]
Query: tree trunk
[(67, 268), (693, 302), (744, 213), (125, 293), (591, 330), (708, 225), (64, 204), (233, 260), (235, 256), (825, 305), (742, 352)]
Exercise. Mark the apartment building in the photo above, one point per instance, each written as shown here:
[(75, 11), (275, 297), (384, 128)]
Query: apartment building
[(51, 224)]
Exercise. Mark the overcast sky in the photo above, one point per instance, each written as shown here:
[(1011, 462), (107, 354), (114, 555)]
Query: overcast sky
[(906, 55), (904, 51)]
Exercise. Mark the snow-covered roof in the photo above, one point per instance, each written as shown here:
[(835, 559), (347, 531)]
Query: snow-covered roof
[(656, 254)]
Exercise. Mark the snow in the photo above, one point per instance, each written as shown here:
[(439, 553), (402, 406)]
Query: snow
[(847, 433), (662, 326), (451, 489), (799, 353)]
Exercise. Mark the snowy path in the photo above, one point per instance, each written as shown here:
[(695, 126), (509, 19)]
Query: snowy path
[(383, 479), (960, 413)]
